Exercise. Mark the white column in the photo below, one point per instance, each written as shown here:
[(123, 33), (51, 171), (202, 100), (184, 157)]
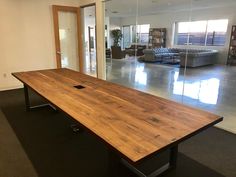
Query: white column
[(100, 24)]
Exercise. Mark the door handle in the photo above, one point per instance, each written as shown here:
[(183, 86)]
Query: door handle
[(59, 53)]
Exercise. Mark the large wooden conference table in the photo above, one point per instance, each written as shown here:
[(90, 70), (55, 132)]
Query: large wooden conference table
[(136, 125)]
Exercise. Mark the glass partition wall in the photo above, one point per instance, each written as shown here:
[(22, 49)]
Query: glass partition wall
[(120, 18), (175, 49), (209, 83), (148, 58)]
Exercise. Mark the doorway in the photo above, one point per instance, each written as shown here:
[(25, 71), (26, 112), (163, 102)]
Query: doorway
[(88, 17), (67, 33)]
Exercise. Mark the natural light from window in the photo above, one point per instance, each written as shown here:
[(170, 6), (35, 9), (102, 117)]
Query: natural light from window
[(143, 28), (203, 33), (135, 34), (191, 27), (205, 91), (217, 25)]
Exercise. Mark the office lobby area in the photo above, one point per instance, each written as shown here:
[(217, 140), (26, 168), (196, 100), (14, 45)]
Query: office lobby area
[(182, 51), (211, 88)]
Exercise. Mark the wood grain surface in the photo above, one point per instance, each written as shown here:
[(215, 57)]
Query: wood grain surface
[(134, 123)]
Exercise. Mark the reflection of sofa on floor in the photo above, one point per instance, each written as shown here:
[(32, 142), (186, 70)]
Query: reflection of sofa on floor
[(194, 57)]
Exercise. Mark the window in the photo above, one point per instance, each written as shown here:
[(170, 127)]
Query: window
[(135, 34), (216, 32), (143, 33), (203, 33)]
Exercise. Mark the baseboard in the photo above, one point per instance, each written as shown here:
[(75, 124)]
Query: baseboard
[(226, 129), (11, 88)]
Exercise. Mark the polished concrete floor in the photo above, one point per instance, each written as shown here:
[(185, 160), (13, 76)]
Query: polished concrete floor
[(211, 88)]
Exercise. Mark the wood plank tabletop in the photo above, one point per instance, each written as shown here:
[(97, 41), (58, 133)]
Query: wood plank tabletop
[(136, 124)]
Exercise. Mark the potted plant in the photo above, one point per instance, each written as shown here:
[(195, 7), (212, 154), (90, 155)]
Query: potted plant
[(116, 49)]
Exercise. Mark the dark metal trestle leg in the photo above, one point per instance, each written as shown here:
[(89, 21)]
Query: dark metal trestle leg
[(114, 162), (27, 101), (170, 165), (173, 157)]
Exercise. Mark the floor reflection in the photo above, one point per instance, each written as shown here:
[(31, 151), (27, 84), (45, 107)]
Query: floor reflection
[(140, 75), (206, 91), (210, 88)]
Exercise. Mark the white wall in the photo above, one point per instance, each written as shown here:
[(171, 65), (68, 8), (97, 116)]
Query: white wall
[(87, 2), (115, 23), (167, 20), (26, 37)]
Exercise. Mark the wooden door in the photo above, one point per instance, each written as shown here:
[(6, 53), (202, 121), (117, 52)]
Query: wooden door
[(68, 38)]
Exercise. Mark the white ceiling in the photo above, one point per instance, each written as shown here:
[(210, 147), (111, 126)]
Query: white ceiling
[(147, 7)]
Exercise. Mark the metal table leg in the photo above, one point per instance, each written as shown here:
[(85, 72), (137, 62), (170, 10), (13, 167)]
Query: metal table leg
[(113, 163), (173, 157), (27, 101), (170, 165)]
